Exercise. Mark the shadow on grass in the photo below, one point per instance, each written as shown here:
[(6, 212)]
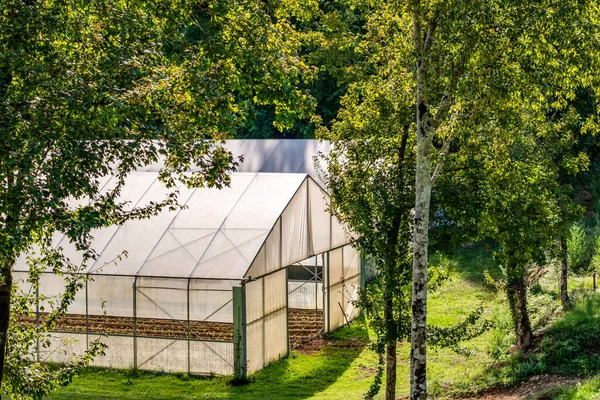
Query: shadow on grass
[(300, 376), (471, 262), (294, 377), (569, 347)]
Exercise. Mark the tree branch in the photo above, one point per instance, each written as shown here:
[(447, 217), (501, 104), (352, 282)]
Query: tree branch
[(442, 157)]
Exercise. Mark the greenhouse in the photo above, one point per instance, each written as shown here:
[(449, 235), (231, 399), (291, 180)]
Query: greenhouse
[(214, 288)]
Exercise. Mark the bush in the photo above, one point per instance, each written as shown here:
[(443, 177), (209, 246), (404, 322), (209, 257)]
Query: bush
[(572, 344), (503, 335), (589, 390), (582, 246), (543, 309)]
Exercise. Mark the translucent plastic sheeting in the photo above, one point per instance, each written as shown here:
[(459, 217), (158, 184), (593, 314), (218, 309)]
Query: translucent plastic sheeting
[(62, 347), (351, 261), (153, 354), (342, 283), (119, 352), (167, 355), (217, 235), (320, 219), (305, 295), (266, 320), (295, 244), (65, 347), (272, 155), (109, 294), (211, 357), (211, 300), (305, 229), (162, 298), (336, 306), (336, 270)]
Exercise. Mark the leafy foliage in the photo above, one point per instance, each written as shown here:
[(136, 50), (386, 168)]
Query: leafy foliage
[(90, 90)]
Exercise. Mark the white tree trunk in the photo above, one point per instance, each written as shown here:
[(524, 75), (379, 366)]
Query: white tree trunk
[(418, 354)]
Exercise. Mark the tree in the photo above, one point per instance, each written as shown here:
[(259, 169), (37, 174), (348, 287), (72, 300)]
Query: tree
[(367, 181), (473, 61), (576, 159), (94, 89), (369, 174), (369, 170), (462, 64), (518, 194)]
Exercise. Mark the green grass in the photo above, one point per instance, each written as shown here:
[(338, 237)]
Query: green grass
[(588, 390), (332, 373), (346, 373)]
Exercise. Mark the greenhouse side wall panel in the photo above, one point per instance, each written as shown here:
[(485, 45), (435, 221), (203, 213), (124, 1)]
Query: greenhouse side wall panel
[(336, 316), (351, 288), (255, 346), (118, 354), (165, 355), (254, 325), (63, 347), (275, 319), (266, 320), (342, 286), (211, 301), (112, 295), (305, 295), (161, 298), (211, 357), (275, 336)]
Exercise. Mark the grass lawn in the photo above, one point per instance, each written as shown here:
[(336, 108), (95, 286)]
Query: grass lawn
[(336, 372)]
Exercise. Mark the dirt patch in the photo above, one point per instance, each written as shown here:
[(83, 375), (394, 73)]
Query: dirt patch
[(148, 327), (537, 387), (304, 326)]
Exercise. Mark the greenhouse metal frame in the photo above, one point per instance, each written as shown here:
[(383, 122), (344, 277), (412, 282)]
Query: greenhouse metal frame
[(205, 290)]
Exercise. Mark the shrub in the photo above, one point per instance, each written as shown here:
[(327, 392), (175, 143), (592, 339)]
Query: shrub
[(582, 246), (572, 344), (503, 335), (543, 309)]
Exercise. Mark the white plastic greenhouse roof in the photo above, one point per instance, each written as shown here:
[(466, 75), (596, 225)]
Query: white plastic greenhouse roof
[(273, 155), (265, 220)]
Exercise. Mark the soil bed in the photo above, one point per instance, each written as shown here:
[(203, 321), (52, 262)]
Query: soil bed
[(304, 325)]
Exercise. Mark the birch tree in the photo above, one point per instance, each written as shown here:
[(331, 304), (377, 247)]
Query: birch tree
[(474, 60), (462, 64)]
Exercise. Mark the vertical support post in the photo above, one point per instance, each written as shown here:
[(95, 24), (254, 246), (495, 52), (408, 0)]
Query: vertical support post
[(287, 310), (37, 318), (328, 293), (189, 329), (240, 372), (263, 319), (309, 245), (135, 323), (87, 314), (316, 285)]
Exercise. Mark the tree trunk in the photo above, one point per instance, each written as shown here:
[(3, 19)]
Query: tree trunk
[(390, 346), (391, 325), (390, 371), (418, 387), (418, 345), (516, 291), (5, 294), (391, 338), (564, 293)]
